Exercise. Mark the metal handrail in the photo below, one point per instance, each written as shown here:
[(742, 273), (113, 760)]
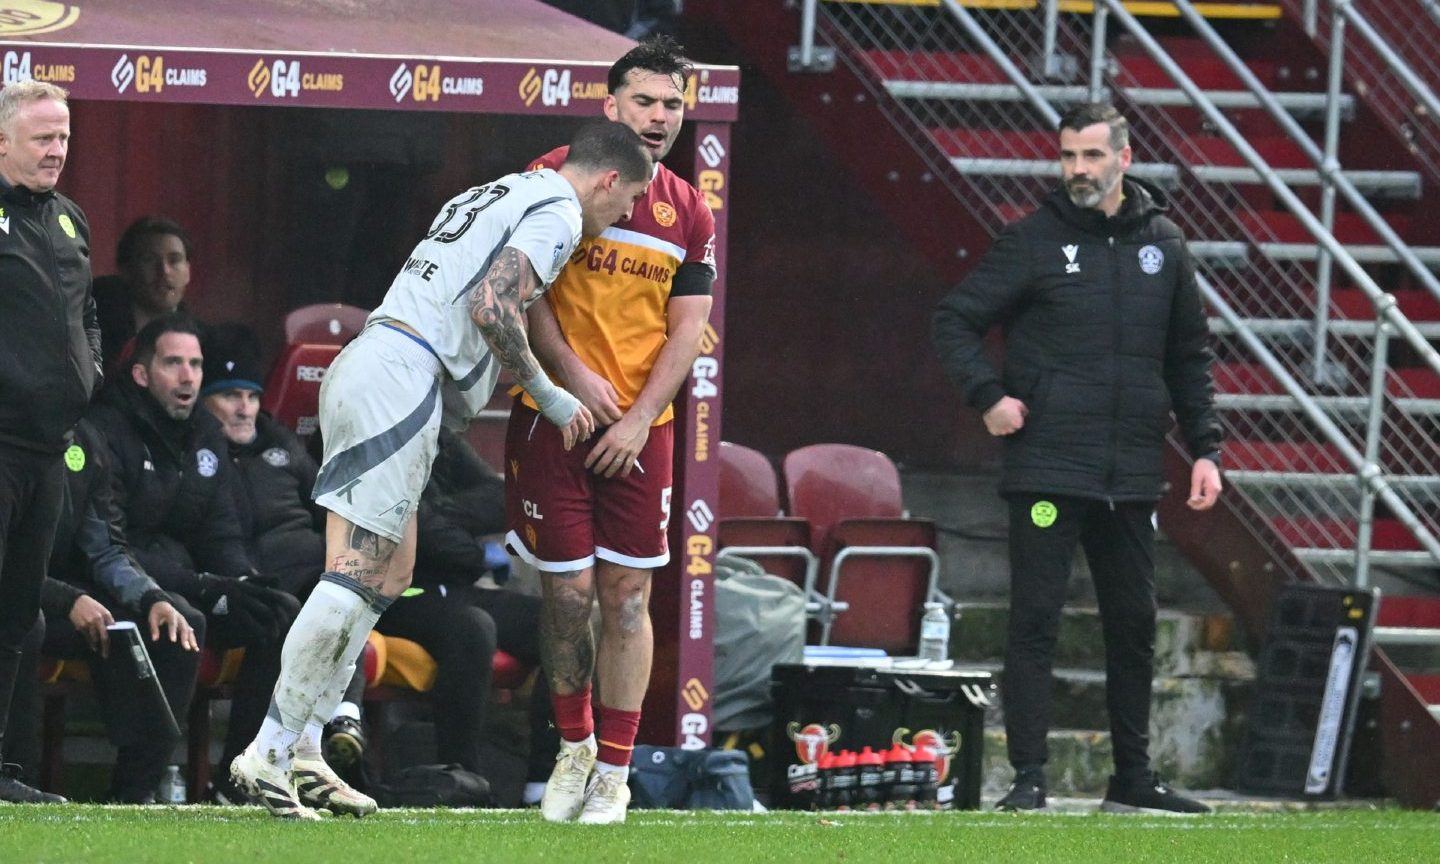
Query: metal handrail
[(1411, 32), (1330, 171), (1292, 202), (1032, 95), (1397, 65), (1367, 469)]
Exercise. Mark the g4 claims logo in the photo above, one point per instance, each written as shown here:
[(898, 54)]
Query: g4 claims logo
[(426, 84), (284, 79), (150, 74), (553, 87), (18, 66)]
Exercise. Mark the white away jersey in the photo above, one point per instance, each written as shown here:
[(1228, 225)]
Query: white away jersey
[(535, 212)]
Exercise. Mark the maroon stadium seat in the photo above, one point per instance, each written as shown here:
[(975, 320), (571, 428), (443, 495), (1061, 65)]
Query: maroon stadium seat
[(324, 324), (873, 557)]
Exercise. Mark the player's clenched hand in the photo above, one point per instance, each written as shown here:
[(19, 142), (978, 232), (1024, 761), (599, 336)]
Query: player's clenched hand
[(580, 427), (595, 393), (618, 449)]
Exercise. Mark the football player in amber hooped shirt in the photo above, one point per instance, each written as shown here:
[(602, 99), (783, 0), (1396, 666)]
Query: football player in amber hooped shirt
[(621, 327)]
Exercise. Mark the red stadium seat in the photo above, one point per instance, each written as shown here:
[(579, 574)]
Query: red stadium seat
[(292, 390), (748, 486), (324, 324), (826, 483), (873, 557), (749, 525)]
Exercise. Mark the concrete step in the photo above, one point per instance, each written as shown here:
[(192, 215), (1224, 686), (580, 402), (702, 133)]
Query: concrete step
[(1185, 644), (1079, 695), (1191, 756)]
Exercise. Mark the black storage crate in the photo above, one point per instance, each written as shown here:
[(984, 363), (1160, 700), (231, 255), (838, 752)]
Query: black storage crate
[(831, 707), (1299, 727)]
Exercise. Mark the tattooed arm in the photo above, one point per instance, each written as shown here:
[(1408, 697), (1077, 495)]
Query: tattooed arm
[(497, 306)]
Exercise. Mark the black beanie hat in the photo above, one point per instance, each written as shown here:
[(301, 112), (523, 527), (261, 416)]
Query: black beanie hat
[(232, 360)]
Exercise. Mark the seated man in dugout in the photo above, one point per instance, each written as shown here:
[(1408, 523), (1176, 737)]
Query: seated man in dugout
[(172, 484), (458, 622), (280, 524), (154, 259), (94, 582)]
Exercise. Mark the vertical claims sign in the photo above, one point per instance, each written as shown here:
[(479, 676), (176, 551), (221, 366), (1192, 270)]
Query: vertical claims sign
[(32, 17)]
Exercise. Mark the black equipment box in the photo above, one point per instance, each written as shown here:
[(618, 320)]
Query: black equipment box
[(1307, 689), (828, 707)]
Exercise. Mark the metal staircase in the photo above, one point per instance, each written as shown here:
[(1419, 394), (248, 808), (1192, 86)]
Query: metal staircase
[(1320, 277)]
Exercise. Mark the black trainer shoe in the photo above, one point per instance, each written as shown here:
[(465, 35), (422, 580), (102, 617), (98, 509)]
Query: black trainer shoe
[(343, 743), (1026, 793), (16, 791), (1148, 794)]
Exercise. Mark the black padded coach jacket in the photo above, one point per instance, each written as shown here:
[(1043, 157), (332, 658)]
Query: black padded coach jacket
[(49, 341), (1104, 335)]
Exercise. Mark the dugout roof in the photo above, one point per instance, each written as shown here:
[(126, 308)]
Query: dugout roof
[(486, 56)]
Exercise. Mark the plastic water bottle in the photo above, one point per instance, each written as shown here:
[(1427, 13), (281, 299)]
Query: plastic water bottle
[(172, 786), (935, 633)]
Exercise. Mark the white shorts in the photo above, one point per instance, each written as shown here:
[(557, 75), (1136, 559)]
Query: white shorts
[(380, 413)]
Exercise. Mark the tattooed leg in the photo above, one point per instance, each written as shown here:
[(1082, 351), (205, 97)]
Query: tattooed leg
[(567, 648), (626, 639), (366, 571)]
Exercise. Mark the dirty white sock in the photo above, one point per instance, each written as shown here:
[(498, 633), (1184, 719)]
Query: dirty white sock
[(324, 640)]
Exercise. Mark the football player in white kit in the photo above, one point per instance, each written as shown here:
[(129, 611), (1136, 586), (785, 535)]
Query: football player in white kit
[(430, 353)]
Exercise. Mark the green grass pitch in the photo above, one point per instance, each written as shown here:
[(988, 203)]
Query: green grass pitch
[(87, 834), (210, 835)]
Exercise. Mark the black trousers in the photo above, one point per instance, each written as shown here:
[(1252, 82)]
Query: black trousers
[(1119, 546), (461, 638), (480, 620), (517, 632), (32, 488), (143, 749)]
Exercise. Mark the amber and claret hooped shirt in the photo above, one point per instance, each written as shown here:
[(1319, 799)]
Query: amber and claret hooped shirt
[(610, 299)]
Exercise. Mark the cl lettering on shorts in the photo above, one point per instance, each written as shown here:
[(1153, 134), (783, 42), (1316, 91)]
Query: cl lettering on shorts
[(1043, 514)]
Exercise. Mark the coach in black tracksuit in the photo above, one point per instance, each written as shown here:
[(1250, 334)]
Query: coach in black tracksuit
[(1105, 336), (49, 360)]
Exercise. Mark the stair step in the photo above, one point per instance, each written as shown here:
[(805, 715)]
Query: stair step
[(1215, 159), (1389, 184), (913, 83), (1394, 559), (1231, 253), (1339, 534), (1423, 483), (1353, 408), (1303, 330), (1408, 611), (1199, 61), (1419, 382), (1418, 305), (1411, 636), (1286, 229), (1364, 253), (1428, 686), (1283, 456), (1160, 173)]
